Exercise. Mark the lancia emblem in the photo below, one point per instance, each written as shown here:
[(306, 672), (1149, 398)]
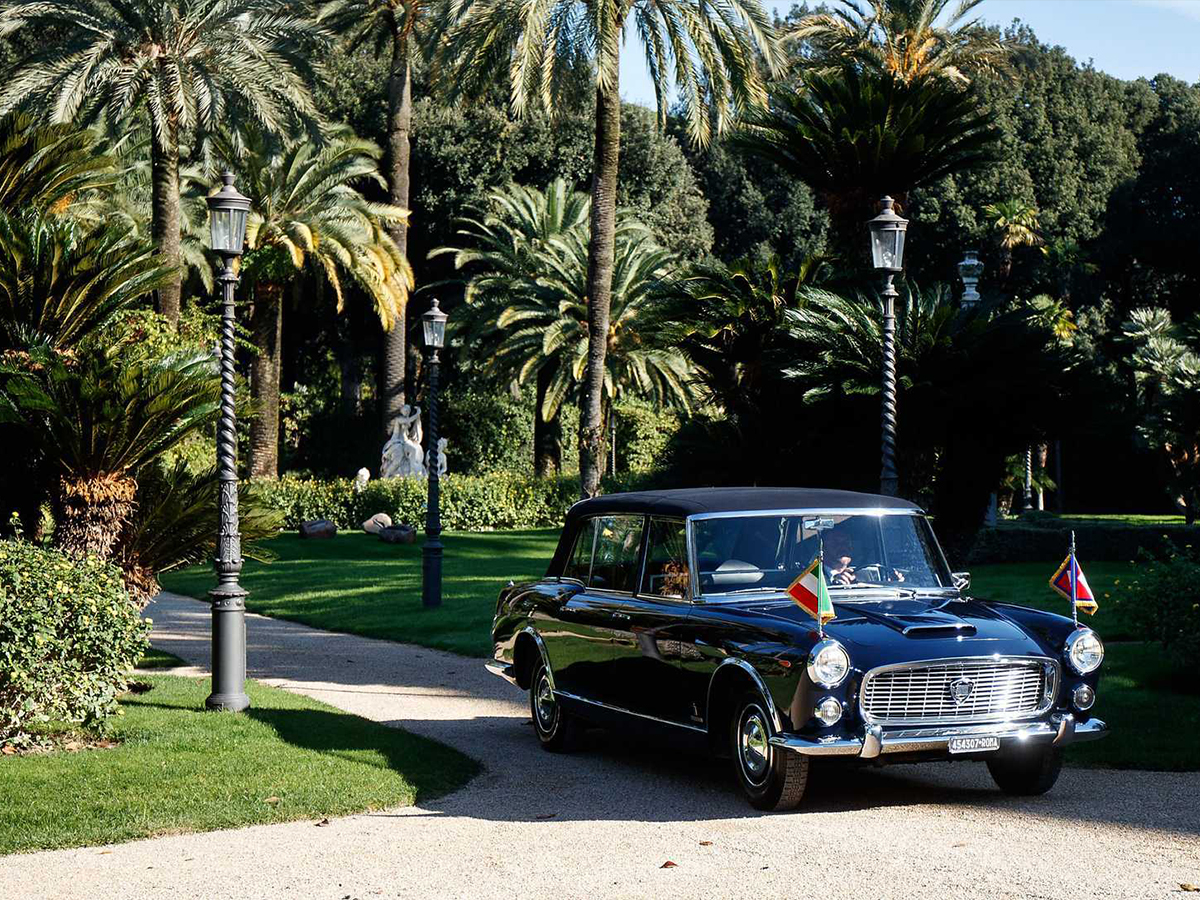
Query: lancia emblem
[(961, 689)]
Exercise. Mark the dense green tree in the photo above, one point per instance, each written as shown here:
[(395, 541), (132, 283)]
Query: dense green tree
[(711, 54), (189, 64), (307, 209)]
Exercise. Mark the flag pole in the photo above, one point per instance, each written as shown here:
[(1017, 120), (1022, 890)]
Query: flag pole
[(820, 578), (1072, 571)]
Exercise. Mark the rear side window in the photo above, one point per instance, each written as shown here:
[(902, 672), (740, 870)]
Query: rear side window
[(580, 564), (614, 564), (666, 560)]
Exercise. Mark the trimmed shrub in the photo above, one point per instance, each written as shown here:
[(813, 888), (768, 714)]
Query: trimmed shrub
[(643, 434), (69, 637), (1032, 542), (1167, 601), (488, 431), (468, 502)]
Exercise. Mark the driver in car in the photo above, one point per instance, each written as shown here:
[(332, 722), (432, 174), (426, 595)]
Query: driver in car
[(839, 553)]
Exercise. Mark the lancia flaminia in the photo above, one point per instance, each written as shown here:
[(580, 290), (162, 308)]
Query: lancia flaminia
[(670, 610)]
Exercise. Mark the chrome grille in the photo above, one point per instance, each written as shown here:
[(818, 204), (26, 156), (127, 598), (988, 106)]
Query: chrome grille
[(923, 693)]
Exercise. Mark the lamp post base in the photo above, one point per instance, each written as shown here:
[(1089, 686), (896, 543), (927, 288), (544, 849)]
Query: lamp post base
[(431, 573), (228, 650)]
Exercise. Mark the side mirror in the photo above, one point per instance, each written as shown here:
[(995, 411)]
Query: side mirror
[(961, 580)]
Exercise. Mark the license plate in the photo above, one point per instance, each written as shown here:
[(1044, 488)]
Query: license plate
[(973, 744)]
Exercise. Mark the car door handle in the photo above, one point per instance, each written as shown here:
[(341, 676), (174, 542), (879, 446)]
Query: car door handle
[(621, 617)]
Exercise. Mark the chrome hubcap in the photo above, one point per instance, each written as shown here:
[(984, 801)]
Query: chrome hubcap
[(752, 742), (544, 702)]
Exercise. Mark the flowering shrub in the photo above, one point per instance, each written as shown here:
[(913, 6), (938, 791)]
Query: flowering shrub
[(69, 637)]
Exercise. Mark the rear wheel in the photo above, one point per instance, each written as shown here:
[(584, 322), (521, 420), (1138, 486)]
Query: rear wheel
[(771, 777), (1026, 773), (557, 729)]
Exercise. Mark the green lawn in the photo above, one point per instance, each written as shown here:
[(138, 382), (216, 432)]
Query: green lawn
[(179, 768), (357, 584), (1028, 584)]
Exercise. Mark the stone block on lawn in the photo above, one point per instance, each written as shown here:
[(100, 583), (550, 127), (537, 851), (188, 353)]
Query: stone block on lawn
[(377, 523), (317, 528), (398, 534)]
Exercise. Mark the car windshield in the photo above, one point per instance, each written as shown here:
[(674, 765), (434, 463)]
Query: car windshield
[(739, 554)]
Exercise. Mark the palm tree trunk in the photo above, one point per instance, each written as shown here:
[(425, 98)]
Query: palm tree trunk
[(266, 325), (91, 511), (599, 284), (547, 449), (164, 172), (399, 156)]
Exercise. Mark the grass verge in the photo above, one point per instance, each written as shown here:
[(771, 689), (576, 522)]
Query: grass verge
[(357, 584), (177, 768)]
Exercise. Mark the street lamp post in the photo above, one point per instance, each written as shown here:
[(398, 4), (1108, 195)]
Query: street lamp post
[(887, 253), (433, 323), (227, 221)]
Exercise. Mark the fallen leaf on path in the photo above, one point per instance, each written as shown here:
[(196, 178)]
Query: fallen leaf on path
[(706, 843), (1187, 886), (322, 823), (669, 865), (105, 852), (546, 816)]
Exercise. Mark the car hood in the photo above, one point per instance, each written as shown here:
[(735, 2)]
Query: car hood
[(904, 628)]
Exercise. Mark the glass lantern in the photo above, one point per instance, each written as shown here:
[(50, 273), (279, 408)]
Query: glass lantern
[(433, 323), (887, 238), (227, 210)]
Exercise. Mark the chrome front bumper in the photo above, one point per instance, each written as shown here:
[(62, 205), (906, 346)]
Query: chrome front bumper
[(1058, 731), (502, 669)]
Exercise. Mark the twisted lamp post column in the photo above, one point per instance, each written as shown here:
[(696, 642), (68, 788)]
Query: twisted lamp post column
[(227, 215), (433, 324), (887, 253)]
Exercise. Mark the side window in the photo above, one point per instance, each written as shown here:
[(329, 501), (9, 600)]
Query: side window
[(580, 564), (666, 561), (618, 539)]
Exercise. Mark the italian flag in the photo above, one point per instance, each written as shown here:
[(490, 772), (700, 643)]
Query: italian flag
[(810, 593)]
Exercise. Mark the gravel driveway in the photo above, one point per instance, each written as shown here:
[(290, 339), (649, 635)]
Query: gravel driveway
[(604, 822)]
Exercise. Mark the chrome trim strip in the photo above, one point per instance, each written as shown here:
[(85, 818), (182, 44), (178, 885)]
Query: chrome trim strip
[(1049, 689), (833, 511), (541, 645), (953, 626), (629, 712), (922, 740), (776, 721), (503, 670)]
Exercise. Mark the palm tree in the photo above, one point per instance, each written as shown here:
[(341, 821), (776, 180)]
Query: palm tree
[(527, 310), (306, 206), (904, 38), (100, 418), (1015, 223), (503, 246), (855, 134), (190, 64), (405, 26), (712, 53)]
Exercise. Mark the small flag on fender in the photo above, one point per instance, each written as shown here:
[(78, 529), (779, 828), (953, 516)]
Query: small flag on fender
[(811, 594), (1070, 581)]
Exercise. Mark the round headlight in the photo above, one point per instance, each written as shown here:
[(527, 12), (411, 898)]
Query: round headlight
[(829, 663), (1084, 651), (828, 711)]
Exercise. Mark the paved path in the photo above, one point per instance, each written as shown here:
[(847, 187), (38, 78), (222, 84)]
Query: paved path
[(602, 823)]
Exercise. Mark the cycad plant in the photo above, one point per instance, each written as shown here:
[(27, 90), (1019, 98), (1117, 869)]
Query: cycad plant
[(714, 54), (48, 168), (191, 65), (99, 419), (907, 38), (308, 210)]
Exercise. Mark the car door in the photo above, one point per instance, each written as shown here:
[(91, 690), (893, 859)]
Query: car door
[(646, 674), (579, 641)]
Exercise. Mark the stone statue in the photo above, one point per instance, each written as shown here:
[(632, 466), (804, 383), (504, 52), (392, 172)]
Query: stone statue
[(402, 452), (360, 479), (441, 458)]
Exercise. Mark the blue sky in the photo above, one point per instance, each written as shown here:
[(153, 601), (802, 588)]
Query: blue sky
[(1126, 38)]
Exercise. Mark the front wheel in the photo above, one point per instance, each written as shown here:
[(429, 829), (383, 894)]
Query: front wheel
[(771, 777), (557, 729), (1026, 773)]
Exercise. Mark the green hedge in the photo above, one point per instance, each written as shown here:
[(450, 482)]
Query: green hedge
[(1167, 587), (69, 637), (1033, 542), (468, 502)]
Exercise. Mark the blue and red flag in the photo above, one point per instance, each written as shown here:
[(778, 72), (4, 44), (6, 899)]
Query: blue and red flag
[(1070, 581)]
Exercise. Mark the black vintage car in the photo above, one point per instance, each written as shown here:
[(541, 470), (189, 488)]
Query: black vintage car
[(670, 609)]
